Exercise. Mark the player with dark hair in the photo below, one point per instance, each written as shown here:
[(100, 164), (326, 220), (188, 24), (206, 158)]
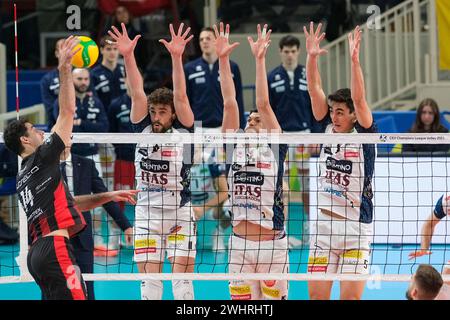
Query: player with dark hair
[(343, 235), (426, 284), (53, 215), (164, 219), (258, 243)]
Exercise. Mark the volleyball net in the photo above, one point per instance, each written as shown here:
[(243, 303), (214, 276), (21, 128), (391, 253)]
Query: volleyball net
[(228, 175)]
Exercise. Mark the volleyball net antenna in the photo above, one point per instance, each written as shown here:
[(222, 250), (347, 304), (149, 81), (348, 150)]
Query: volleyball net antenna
[(406, 188)]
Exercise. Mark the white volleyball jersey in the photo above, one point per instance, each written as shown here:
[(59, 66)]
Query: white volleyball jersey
[(345, 178), (161, 175), (255, 181)]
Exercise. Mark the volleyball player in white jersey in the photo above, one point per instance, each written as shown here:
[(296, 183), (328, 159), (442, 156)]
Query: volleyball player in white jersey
[(255, 173), (341, 241), (441, 210), (164, 220)]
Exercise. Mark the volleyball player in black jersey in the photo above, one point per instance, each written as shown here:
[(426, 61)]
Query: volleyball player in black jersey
[(53, 215)]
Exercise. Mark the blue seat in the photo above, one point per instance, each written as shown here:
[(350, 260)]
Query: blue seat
[(444, 121), (386, 125), (403, 119)]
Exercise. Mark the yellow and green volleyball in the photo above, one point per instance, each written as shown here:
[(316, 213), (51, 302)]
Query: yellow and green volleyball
[(88, 54)]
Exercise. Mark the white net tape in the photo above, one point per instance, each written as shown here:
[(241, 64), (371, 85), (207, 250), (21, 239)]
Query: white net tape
[(392, 193)]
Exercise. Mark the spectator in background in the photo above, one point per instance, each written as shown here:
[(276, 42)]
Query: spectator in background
[(50, 89), (123, 15), (425, 284), (288, 89), (203, 86), (108, 81), (427, 121), (108, 78), (289, 98), (119, 121), (90, 115)]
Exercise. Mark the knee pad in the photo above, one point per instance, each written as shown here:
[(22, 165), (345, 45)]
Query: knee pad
[(151, 290), (183, 290)]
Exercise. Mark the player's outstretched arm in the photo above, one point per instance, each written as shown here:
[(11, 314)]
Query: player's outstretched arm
[(427, 234), (230, 121), (180, 99), (126, 47), (259, 49), (91, 201), (318, 98), (363, 113), (66, 98)]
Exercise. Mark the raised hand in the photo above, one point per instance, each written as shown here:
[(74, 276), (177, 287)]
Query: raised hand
[(66, 52), (178, 43), (259, 48), (223, 47), (354, 41), (313, 40), (122, 41), (419, 253)]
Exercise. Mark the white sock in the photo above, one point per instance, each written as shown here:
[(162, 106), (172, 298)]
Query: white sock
[(151, 290), (183, 290)]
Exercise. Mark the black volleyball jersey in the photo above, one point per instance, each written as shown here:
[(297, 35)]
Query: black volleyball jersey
[(44, 195)]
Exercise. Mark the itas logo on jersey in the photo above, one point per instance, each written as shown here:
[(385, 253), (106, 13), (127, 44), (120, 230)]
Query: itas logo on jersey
[(155, 165), (337, 178), (248, 185), (254, 178), (344, 166)]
